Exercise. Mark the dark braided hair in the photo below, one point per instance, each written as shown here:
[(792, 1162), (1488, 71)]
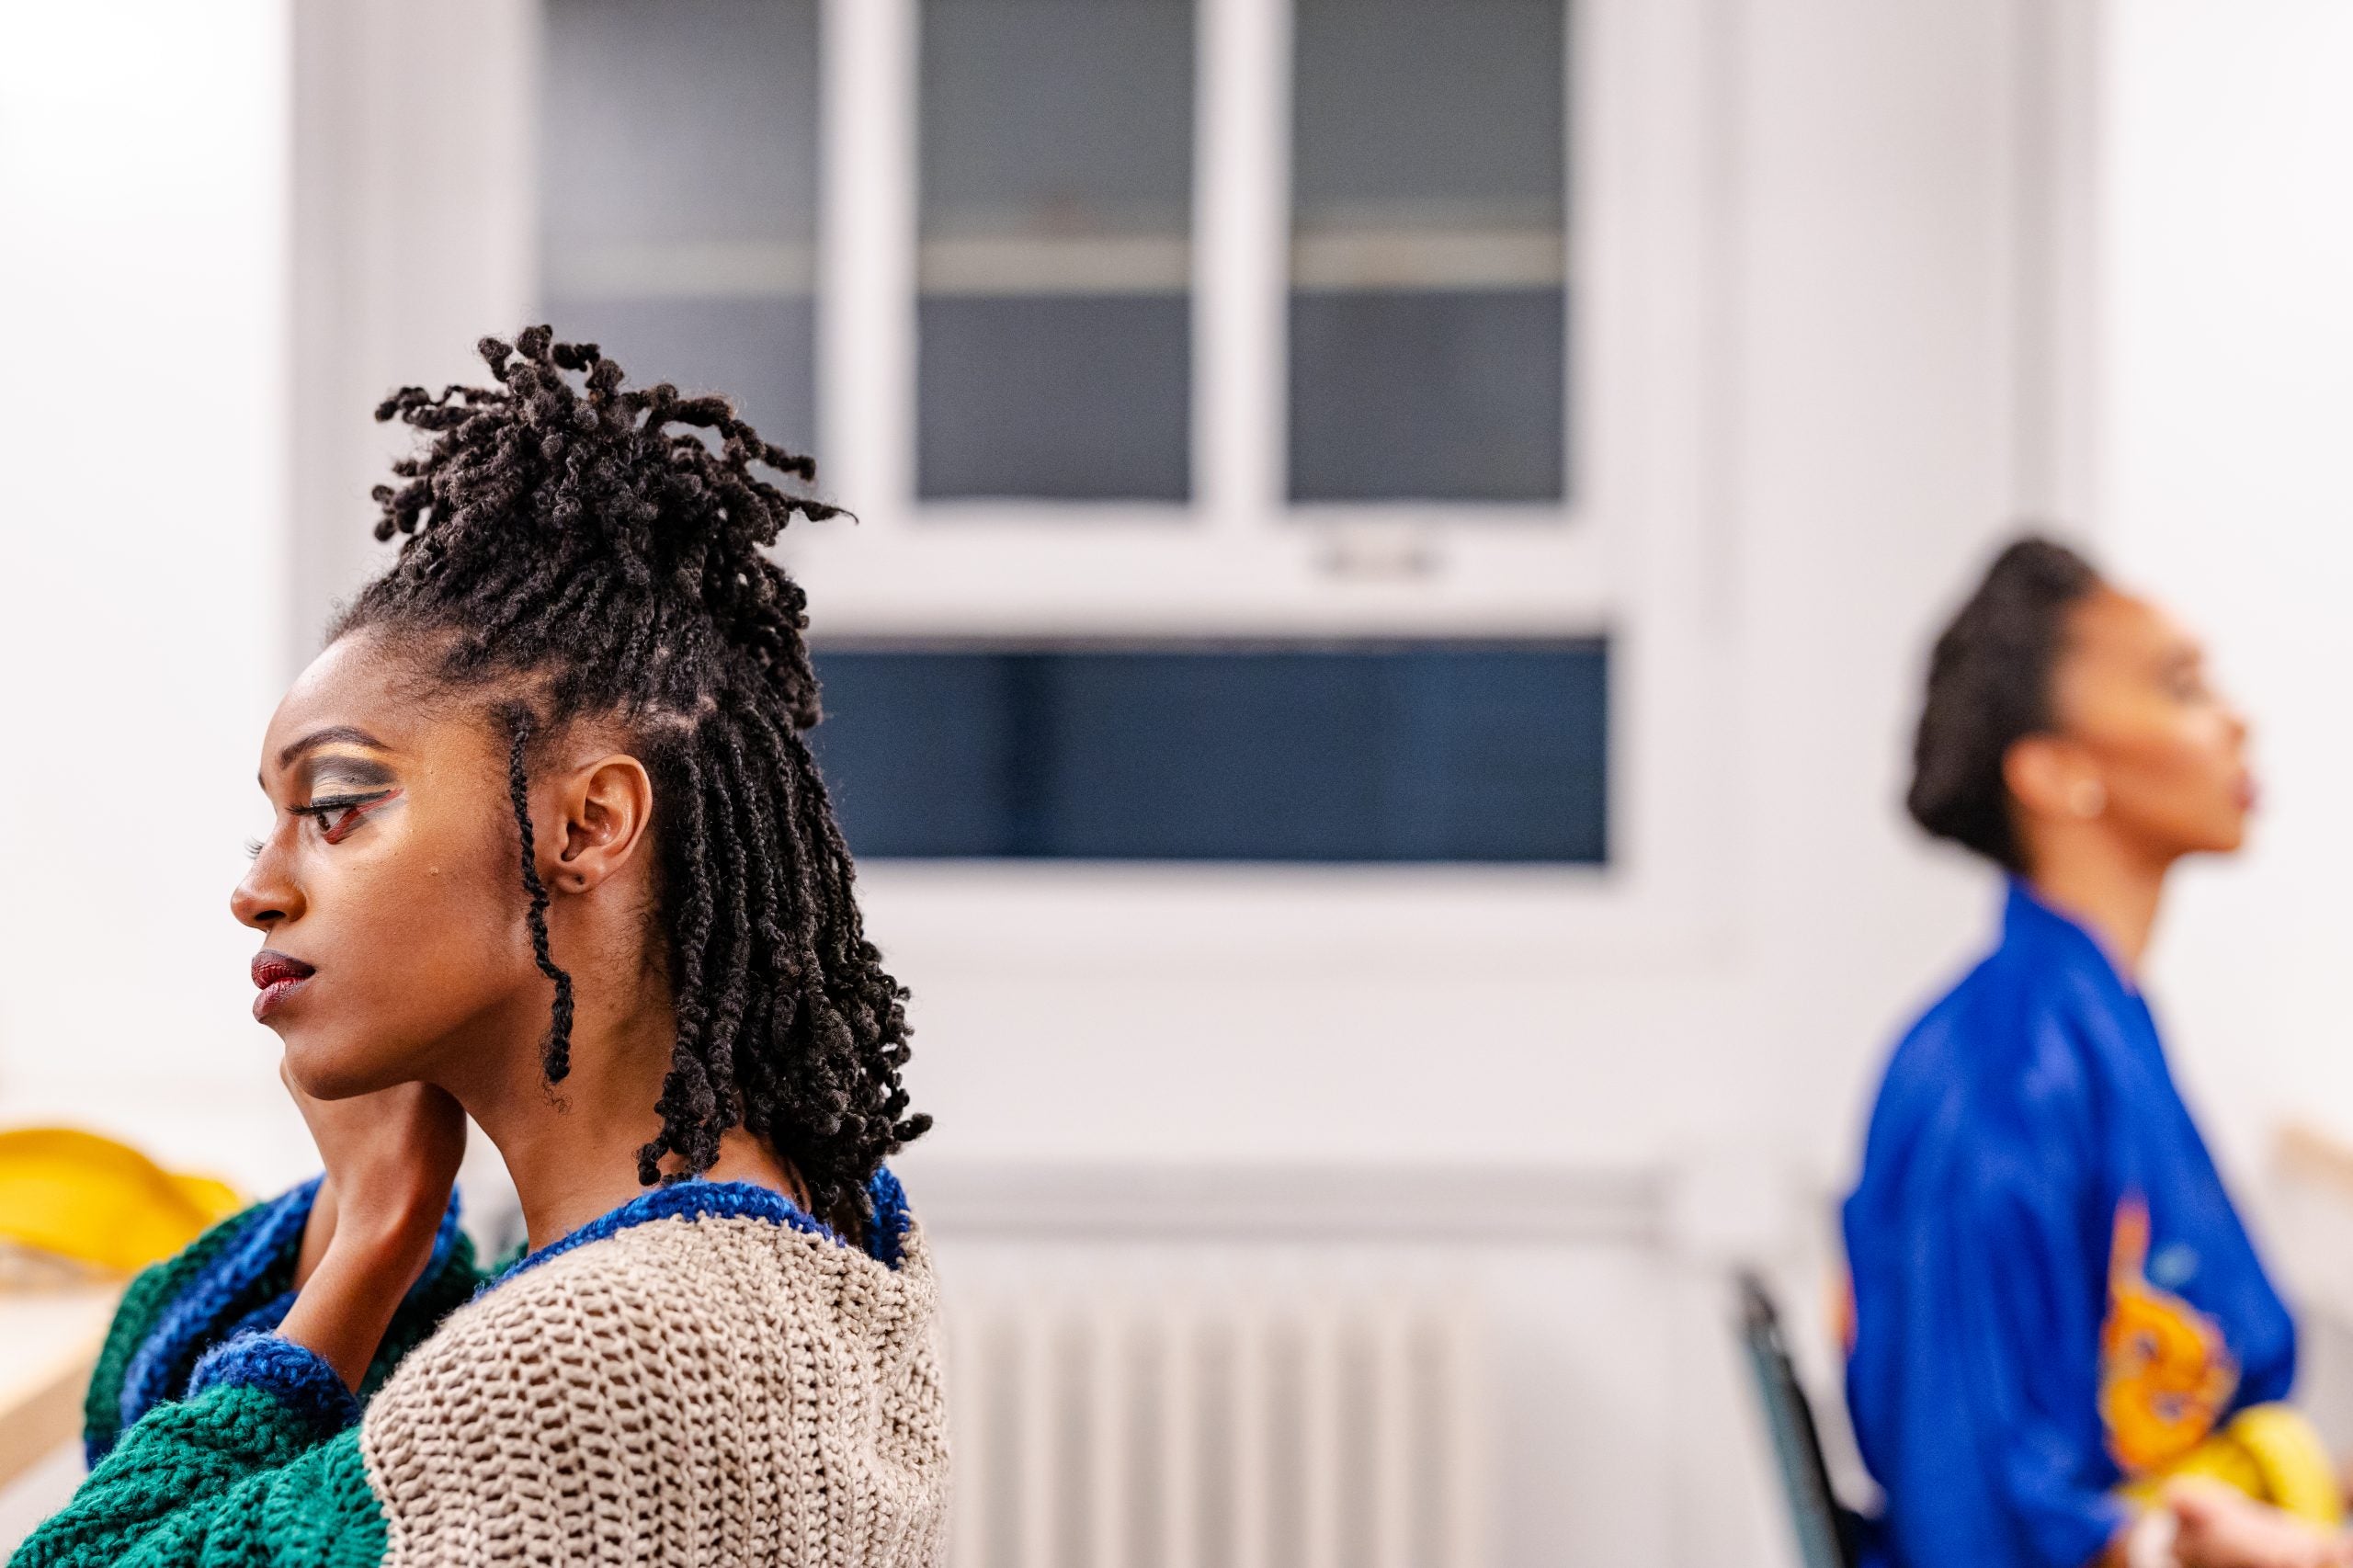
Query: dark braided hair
[(1989, 686), (602, 551)]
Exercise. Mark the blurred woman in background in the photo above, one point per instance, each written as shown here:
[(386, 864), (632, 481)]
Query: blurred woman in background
[(2064, 1349)]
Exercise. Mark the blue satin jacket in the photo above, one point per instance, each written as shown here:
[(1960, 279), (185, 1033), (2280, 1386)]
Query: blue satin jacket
[(2052, 1294)]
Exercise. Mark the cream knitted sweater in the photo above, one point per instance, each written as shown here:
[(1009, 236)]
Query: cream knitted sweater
[(705, 1376)]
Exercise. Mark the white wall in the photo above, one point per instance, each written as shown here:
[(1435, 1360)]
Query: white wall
[(143, 540), (2227, 489), (414, 226)]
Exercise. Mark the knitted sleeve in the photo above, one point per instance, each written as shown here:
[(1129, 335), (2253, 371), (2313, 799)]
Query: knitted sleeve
[(259, 1464), (238, 1277)]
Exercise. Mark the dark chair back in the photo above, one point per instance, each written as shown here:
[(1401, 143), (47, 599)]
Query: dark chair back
[(1828, 1535)]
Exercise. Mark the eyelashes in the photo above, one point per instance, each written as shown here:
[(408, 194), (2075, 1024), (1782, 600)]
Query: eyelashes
[(338, 815)]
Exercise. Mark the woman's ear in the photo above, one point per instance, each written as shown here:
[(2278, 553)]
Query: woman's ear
[(606, 805), (2049, 777)]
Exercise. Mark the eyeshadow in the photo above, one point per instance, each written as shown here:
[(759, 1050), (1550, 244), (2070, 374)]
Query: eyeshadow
[(359, 771)]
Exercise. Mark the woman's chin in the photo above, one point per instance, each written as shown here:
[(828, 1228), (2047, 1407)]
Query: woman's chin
[(2222, 840), (325, 1071)]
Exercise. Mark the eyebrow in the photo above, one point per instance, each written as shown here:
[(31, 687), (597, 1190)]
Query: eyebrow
[(334, 734)]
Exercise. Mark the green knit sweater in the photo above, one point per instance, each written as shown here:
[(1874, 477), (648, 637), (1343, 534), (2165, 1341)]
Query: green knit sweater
[(641, 1390)]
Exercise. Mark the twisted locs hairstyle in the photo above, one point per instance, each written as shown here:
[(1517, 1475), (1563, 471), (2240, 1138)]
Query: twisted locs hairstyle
[(590, 552)]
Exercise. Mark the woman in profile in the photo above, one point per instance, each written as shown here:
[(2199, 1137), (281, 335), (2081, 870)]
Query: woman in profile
[(2065, 1351), (548, 848)]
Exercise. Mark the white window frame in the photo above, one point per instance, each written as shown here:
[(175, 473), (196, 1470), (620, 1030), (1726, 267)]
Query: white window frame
[(1631, 555), (1240, 558)]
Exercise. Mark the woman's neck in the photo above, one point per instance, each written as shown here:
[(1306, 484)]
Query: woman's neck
[(571, 1148), (2109, 889)]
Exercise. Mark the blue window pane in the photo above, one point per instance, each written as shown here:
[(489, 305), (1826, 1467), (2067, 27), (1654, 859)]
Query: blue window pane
[(1374, 752)]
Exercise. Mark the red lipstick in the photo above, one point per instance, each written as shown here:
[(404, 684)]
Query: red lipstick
[(279, 976)]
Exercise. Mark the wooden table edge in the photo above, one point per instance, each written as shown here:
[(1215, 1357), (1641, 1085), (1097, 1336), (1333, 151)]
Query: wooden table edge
[(46, 1412)]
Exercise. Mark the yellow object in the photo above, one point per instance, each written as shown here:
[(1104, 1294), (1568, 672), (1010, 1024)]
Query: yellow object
[(79, 1195), (2272, 1453)]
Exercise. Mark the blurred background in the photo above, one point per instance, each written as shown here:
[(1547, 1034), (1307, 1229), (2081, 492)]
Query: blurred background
[(1371, 680)]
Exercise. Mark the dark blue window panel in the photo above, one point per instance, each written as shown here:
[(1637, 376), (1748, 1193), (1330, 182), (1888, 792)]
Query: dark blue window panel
[(1365, 752)]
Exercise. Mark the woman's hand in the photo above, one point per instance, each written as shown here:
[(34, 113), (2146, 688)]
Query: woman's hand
[(392, 1158), (2220, 1528)]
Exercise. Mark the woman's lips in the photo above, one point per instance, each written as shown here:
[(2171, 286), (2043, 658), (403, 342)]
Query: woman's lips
[(279, 975)]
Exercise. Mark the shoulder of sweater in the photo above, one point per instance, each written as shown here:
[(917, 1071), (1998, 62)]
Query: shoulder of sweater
[(692, 1275), (609, 1393), (666, 1314)]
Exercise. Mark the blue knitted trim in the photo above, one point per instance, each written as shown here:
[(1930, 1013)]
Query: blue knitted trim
[(697, 1199), (301, 1381), (886, 1237), (263, 1319), (195, 1317), (220, 1290)]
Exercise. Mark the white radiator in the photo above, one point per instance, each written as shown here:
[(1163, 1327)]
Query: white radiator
[(1170, 1431)]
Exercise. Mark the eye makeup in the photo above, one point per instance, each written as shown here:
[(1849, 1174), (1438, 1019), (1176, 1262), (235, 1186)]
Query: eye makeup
[(357, 775), (354, 787), (339, 815)]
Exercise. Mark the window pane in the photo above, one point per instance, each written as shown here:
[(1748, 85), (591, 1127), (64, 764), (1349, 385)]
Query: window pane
[(679, 195), (1400, 393), (1060, 397), (1371, 752), (1428, 312), (1055, 347)]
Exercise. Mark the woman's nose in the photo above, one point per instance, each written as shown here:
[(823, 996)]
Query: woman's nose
[(265, 898)]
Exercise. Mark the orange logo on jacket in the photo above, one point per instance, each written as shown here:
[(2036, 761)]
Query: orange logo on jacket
[(2165, 1375)]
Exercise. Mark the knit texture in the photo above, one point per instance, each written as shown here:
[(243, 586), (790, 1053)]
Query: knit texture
[(237, 1278), (309, 1388), (697, 1200), (210, 1306), (150, 1297), (694, 1388), (232, 1478), (706, 1375)]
